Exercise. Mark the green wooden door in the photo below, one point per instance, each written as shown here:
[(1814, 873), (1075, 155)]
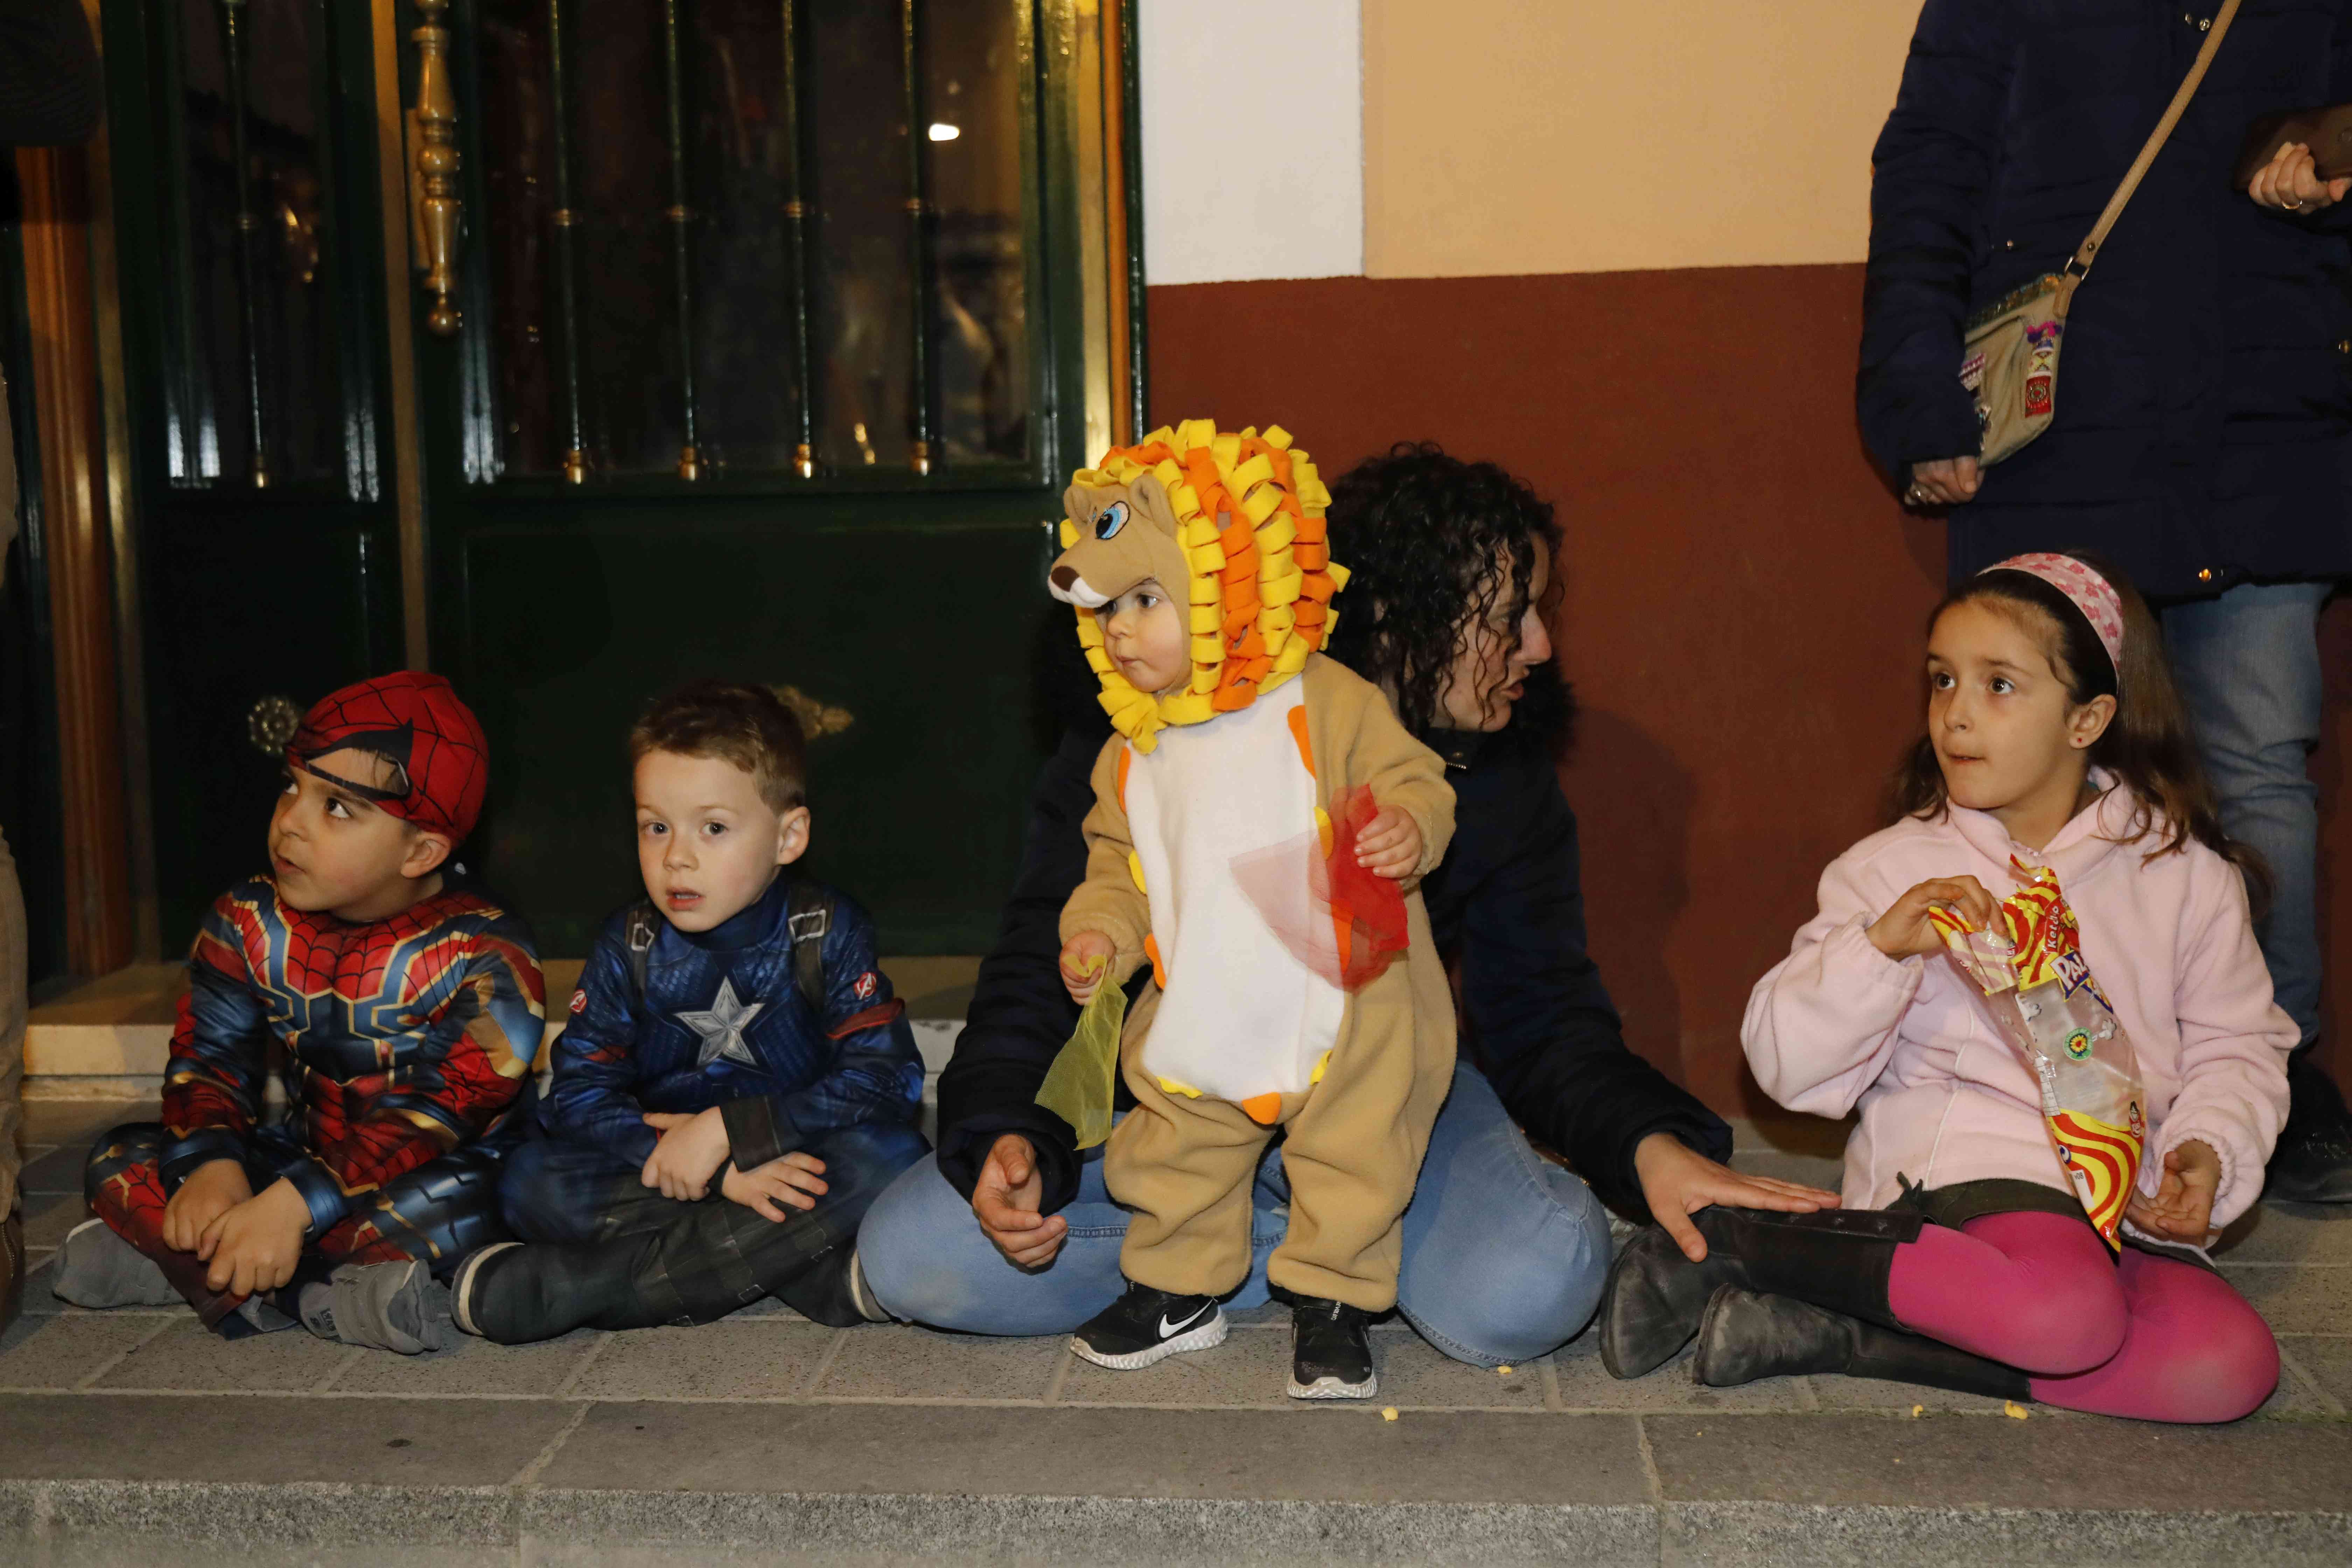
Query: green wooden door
[(253, 311), (770, 345)]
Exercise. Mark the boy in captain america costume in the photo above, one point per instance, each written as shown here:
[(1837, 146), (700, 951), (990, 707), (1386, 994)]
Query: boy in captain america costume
[(409, 1007), (736, 1083)]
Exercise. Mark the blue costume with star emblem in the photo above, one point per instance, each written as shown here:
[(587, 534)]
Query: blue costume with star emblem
[(720, 1020)]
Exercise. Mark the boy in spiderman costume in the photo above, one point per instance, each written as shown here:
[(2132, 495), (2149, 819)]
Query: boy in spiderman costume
[(736, 1084), (409, 1007)]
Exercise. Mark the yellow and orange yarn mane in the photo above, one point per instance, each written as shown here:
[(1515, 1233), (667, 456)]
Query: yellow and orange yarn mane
[(1249, 510)]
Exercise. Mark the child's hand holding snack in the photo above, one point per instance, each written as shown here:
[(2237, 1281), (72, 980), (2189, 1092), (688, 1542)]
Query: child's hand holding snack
[(691, 1150), (1905, 932), (794, 1180), (2182, 1208), (1390, 845), (1086, 958)]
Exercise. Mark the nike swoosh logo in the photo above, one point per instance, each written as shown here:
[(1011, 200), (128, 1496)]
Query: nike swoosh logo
[(1167, 1328)]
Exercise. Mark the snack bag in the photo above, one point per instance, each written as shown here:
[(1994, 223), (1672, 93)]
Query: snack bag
[(1080, 1084), (1341, 921), (2033, 971)]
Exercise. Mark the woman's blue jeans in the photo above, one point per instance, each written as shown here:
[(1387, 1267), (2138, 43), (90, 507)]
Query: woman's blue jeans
[(2247, 663), (1505, 1253)]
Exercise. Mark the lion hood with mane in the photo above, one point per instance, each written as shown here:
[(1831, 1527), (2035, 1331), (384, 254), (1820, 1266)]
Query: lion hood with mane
[(1236, 520)]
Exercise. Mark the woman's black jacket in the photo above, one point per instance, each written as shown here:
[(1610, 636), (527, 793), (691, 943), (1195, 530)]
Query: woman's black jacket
[(1505, 902)]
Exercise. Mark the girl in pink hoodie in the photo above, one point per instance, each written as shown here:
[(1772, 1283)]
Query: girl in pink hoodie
[(2054, 737)]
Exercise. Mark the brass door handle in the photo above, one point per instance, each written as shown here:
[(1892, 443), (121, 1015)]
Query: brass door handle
[(434, 206), (270, 722)]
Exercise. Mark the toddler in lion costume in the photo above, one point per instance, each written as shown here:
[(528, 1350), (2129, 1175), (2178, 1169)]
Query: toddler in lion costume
[(1245, 814)]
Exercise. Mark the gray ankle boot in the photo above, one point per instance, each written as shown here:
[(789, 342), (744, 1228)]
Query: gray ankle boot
[(396, 1306), (96, 1267)]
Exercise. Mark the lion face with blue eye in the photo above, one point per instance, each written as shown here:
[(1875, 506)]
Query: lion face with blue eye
[(1231, 526), (1125, 533)]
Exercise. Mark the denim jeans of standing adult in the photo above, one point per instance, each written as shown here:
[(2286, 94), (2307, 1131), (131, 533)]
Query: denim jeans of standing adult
[(2247, 663), (1504, 1252)]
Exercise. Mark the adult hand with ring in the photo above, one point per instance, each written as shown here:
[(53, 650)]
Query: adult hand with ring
[(1943, 481), (2290, 182)]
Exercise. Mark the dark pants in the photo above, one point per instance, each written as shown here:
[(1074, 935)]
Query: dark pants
[(664, 1261), (438, 1212)]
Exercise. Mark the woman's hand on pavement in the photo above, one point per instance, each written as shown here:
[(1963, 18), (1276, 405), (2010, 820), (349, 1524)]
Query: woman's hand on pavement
[(1677, 1181), (2290, 182), (1005, 1200), (1943, 481)]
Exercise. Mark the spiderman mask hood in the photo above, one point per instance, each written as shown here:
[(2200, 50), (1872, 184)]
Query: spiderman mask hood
[(438, 757)]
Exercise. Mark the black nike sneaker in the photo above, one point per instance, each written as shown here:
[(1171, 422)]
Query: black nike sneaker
[(1330, 1355), (1147, 1325)]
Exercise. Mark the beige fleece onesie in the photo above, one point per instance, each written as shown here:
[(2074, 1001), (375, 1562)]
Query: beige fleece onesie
[(1235, 1036)]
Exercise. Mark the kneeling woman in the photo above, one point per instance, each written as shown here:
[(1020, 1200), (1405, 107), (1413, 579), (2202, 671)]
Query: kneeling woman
[(1010, 1231), (2055, 740)]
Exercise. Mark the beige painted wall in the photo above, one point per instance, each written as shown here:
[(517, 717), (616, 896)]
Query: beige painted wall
[(1522, 136)]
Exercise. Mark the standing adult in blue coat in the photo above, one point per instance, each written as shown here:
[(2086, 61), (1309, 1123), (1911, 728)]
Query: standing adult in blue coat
[(2203, 436)]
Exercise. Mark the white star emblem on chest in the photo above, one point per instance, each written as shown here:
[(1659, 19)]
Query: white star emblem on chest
[(721, 1027)]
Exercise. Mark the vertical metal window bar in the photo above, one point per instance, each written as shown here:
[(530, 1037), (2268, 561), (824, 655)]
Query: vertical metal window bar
[(919, 238), (248, 227), (796, 217), (689, 459), (566, 218)]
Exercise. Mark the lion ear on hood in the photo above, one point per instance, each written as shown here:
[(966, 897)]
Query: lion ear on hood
[(1079, 505), (1149, 497)]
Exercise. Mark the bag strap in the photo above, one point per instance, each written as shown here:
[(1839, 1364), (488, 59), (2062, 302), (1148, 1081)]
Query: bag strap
[(638, 941), (2087, 252), (808, 917)]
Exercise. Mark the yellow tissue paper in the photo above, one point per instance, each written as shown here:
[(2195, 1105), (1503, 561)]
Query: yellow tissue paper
[(1079, 1085)]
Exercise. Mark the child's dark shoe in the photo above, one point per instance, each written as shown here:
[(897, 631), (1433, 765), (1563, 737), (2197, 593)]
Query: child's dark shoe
[(1330, 1355), (834, 1292), (397, 1307), (1147, 1325), (503, 1317), (1837, 1258)]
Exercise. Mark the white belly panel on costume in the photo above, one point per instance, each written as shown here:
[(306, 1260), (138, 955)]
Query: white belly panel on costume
[(1240, 1017)]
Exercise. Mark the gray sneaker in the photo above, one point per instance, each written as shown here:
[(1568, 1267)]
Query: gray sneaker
[(385, 1306), (96, 1267)]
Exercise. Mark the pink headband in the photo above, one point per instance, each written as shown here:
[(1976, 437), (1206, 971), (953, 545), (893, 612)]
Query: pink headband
[(2085, 589)]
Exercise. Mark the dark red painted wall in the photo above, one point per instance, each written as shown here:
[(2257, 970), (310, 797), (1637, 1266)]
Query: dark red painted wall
[(1744, 599)]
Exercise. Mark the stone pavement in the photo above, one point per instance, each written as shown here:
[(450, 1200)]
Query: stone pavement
[(135, 1437)]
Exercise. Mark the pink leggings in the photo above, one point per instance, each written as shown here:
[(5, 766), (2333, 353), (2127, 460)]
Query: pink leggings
[(2144, 1336)]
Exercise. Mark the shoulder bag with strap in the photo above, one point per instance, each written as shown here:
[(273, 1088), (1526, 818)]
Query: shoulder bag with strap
[(808, 915), (2010, 354)]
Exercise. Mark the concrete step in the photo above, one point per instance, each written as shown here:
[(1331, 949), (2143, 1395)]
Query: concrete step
[(135, 1437), (279, 1479)]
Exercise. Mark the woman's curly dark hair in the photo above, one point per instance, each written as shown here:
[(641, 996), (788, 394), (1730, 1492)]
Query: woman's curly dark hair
[(1420, 532)]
